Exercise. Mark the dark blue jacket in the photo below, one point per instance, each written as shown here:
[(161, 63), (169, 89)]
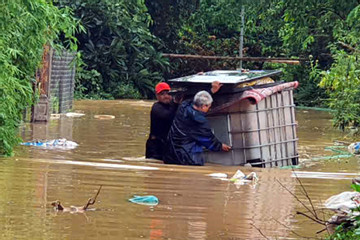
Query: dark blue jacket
[(189, 133)]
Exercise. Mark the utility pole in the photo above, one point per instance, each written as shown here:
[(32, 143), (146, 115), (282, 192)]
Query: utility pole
[(242, 35)]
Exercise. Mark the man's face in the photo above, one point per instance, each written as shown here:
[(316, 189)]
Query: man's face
[(164, 97), (205, 108)]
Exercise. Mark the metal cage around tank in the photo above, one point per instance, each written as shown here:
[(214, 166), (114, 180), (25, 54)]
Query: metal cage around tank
[(262, 133)]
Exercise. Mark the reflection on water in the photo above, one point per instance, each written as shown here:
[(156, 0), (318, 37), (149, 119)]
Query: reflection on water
[(192, 204)]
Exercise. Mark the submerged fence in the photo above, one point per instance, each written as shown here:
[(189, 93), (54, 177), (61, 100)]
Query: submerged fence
[(55, 82), (62, 82)]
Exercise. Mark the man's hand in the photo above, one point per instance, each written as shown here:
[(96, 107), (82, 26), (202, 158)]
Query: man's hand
[(225, 147), (215, 86), (178, 98)]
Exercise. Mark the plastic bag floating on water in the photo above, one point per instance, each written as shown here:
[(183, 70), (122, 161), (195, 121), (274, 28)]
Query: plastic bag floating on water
[(240, 178), (343, 201), (149, 200), (61, 143)]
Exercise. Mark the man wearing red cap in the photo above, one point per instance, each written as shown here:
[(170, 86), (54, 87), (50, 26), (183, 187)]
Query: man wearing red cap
[(161, 117)]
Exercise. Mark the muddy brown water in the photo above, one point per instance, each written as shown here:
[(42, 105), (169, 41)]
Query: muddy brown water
[(192, 205)]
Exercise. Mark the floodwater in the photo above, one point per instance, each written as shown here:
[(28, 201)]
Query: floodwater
[(191, 205)]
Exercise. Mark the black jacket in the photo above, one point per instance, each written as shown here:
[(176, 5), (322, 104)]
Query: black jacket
[(189, 133), (161, 118)]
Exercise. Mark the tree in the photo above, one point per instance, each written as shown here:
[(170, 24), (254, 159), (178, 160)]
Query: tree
[(342, 80), (214, 29), (118, 50), (25, 27), (168, 18)]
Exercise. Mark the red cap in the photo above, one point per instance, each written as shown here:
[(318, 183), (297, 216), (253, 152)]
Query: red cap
[(161, 87)]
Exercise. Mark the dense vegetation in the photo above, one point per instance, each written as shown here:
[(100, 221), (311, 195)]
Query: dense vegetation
[(122, 42), (25, 27), (119, 54), (324, 32)]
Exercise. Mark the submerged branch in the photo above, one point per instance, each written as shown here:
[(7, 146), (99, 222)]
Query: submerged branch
[(307, 208), (292, 231), (306, 194), (259, 231), (92, 201), (319, 221)]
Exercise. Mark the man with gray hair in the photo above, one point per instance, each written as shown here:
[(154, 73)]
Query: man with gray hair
[(190, 132)]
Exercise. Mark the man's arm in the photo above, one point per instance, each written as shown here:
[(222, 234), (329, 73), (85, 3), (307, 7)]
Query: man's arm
[(215, 85), (204, 136)]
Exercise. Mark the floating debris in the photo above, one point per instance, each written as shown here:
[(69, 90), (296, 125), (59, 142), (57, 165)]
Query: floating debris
[(354, 148), (342, 152), (61, 143), (290, 167), (102, 117), (346, 207), (218, 175), (55, 116), (149, 200), (72, 209), (74, 114), (239, 178), (344, 201)]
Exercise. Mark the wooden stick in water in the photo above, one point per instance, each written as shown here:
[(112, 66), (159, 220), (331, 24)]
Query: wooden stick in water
[(92, 201)]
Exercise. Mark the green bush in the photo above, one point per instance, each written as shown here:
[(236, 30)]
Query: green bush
[(88, 83), (343, 83), (126, 91), (118, 45), (25, 27)]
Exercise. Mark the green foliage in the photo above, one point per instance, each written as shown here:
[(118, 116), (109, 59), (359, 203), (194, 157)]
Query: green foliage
[(126, 91), (342, 83), (221, 20), (117, 47), (87, 83), (54, 104), (25, 27), (308, 75), (214, 29), (279, 28), (355, 187), (168, 18), (329, 30), (310, 26)]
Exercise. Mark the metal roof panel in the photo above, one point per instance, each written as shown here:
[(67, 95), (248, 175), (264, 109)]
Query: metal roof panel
[(226, 76)]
